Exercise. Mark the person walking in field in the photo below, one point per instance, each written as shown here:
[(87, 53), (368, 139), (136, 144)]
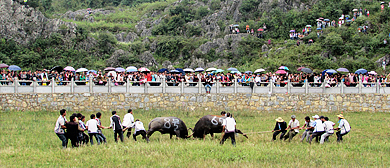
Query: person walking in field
[(128, 121), (60, 126), (293, 128), (139, 130), (229, 129), (308, 130), (83, 137), (343, 128), (328, 129), (92, 127), (319, 128), (116, 125), (100, 134), (280, 127)]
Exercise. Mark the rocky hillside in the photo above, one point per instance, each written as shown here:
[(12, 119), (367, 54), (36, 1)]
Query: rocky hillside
[(185, 34)]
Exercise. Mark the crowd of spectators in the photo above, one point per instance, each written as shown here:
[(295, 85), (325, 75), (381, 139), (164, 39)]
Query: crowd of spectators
[(44, 78)]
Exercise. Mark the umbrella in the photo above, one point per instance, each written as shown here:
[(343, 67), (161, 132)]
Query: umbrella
[(232, 69), (292, 31), (199, 69), (354, 10), (300, 68), (188, 70), (326, 20), (110, 69), (88, 9), (14, 68), (69, 68), (347, 16), (331, 71), (162, 70), (131, 70), (372, 73), (382, 3), (120, 69), (57, 68), (319, 28), (3, 66), (308, 26), (349, 20), (180, 70), (93, 71), (248, 72), (218, 70), (211, 69), (321, 18), (307, 70), (342, 70), (283, 68), (131, 67), (259, 70), (360, 71), (236, 25), (281, 72), (236, 72), (82, 70), (260, 29), (111, 73), (174, 71), (143, 69), (341, 18)]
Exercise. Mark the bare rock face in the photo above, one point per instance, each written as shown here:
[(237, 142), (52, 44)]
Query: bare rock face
[(148, 59), (26, 24), (113, 61), (130, 37), (385, 58)]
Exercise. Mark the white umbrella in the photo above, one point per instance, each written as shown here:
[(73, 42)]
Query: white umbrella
[(82, 70), (259, 70), (132, 68), (188, 70), (199, 69), (211, 69)]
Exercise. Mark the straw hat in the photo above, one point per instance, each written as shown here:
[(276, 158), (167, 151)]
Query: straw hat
[(340, 116), (279, 119)]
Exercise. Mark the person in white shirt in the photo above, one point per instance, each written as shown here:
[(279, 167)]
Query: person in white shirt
[(229, 127), (309, 129), (318, 128), (343, 128), (92, 126), (139, 130), (328, 129), (293, 127), (128, 121), (60, 126), (83, 137)]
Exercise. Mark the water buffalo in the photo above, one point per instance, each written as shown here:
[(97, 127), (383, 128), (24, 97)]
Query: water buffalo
[(171, 125), (209, 124)]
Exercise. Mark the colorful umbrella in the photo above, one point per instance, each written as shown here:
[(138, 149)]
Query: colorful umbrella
[(131, 67), (248, 72), (307, 70), (162, 70), (93, 71), (143, 69), (321, 18), (188, 70), (236, 72), (360, 71), (4, 66), (331, 71), (131, 70), (232, 69), (120, 69), (326, 20), (283, 68), (309, 26), (260, 29), (300, 68), (109, 69), (281, 72), (319, 28), (82, 70), (342, 70), (236, 25), (218, 70), (292, 31), (14, 68), (199, 69), (174, 71), (69, 68), (259, 70)]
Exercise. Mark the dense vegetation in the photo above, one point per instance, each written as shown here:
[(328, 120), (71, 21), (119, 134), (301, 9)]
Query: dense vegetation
[(178, 40)]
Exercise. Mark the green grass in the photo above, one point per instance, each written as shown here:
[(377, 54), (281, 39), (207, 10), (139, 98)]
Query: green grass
[(27, 139)]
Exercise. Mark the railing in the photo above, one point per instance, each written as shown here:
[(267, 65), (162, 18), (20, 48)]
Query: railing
[(52, 86)]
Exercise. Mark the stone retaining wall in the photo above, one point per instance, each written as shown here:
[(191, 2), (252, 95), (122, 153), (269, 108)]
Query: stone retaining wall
[(208, 102)]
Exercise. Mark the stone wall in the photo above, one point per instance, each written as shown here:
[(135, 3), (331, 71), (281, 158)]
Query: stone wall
[(208, 102)]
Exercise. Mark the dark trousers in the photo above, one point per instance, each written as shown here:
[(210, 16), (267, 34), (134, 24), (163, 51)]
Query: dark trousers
[(276, 133), (340, 136), (227, 135), (101, 137), (143, 133), (74, 140), (63, 139), (120, 133), (91, 135), (290, 135), (315, 135), (83, 138), (128, 132)]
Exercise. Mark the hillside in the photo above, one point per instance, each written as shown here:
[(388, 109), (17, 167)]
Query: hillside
[(189, 33)]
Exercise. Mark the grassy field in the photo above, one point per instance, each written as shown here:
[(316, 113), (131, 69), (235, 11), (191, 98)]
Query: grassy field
[(27, 139)]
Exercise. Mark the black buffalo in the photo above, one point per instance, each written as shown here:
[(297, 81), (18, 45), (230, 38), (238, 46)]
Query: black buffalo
[(168, 125), (210, 124)]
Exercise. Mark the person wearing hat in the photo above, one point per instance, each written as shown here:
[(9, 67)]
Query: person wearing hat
[(319, 128), (308, 130), (280, 127), (343, 128), (293, 127)]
